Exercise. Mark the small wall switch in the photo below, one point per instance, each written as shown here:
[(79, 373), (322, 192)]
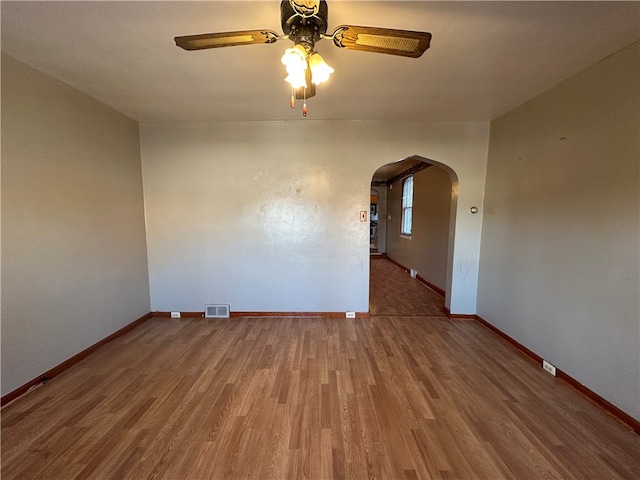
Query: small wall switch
[(549, 368), (175, 314), (351, 314), (363, 215)]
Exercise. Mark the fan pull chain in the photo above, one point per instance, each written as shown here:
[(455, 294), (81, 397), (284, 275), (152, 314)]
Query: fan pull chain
[(304, 105), (292, 102)]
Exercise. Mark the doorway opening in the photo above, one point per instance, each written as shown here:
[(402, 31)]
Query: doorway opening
[(373, 222), (415, 227)]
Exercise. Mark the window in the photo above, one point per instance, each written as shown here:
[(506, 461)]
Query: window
[(407, 205)]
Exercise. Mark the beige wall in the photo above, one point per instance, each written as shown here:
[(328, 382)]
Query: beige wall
[(74, 267), (265, 216), (426, 251), (559, 262)]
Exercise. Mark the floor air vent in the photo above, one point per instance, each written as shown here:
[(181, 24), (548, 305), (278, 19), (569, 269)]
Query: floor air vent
[(216, 311)]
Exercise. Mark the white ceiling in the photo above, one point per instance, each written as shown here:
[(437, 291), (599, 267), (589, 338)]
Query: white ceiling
[(485, 57)]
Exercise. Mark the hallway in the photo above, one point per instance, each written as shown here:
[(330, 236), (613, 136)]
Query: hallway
[(394, 292)]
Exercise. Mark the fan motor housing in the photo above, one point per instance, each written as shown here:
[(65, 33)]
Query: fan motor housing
[(304, 29)]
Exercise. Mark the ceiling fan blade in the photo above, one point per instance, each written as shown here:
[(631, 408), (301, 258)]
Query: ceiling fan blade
[(226, 39), (382, 40)]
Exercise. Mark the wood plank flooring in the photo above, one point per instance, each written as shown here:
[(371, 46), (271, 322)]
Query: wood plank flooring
[(390, 397), (392, 291)]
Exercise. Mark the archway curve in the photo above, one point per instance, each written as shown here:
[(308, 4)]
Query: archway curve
[(453, 208)]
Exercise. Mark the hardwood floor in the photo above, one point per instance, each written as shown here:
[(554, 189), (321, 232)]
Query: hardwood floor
[(393, 292), (389, 397)]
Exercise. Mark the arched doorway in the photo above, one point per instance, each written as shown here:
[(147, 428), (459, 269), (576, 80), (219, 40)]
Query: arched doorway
[(418, 218)]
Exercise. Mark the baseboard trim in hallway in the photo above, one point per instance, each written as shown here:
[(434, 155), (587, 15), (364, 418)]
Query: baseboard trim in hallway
[(58, 369), (420, 278), (430, 285)]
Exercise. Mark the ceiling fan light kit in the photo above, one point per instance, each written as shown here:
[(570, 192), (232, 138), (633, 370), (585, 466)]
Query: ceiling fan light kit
[(304, 22), (320, 70)]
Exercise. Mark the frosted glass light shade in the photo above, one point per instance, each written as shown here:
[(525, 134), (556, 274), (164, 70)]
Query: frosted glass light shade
[(295, 61), (320, 70)]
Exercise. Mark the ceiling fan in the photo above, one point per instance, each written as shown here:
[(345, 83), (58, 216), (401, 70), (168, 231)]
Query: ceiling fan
[(305, 22)]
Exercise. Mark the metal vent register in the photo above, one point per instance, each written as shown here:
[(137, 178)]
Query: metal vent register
[(216, 311)]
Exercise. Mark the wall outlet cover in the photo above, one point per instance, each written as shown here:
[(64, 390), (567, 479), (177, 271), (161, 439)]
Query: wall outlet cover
[(549, 368), (351, 314), (175, 314)]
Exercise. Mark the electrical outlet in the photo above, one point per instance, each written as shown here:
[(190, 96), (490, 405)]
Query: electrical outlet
[(175, 314), (413, 273), (549, 368), (351, 314)]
